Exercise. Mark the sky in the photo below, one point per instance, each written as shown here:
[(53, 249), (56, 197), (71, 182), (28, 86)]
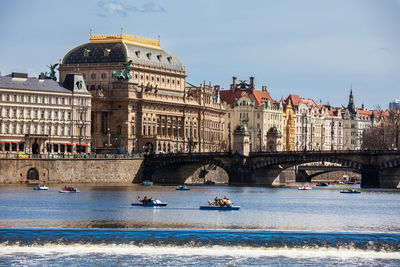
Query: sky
[(317, 49)]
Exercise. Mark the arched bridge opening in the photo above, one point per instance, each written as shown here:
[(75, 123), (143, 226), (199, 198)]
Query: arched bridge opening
[(281, 171), (187, 170)]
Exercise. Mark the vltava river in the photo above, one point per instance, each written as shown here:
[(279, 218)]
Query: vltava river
[(274, 226)]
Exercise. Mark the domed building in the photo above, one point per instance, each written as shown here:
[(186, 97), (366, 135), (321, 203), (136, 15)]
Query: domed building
[(141, 101)]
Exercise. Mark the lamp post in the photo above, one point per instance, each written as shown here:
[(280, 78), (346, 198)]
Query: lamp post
[(332, 133), (49, 144), (229, 137), (190, 139)]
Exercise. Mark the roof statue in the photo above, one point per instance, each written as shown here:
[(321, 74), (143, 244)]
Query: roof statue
[(52, 72), (123, 74)]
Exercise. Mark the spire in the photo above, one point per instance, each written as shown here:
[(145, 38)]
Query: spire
[(351, 106)]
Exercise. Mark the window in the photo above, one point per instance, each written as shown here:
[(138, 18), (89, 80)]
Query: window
[(15, 98), (104, 75), (62, 101), (28, 99), (49, 114), (69, 115), (49, 100), (62, 115), (56, 115), (35, 114), (14, 113), (141, 77), (93, 76), (21, 113), (168, 81), (35, 99), (56, 102)]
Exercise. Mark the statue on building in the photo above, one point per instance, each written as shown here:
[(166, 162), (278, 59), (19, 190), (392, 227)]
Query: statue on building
[(123, 74), (52, 74), (235, 102)]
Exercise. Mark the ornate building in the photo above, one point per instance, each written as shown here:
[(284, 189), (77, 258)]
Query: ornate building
[(258, 111), (355, 122), (141, 101), (41, 116)]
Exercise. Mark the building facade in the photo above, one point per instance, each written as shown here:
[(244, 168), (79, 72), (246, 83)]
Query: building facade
[(262, 116), (355, 122), (41, 116), (141, 101)]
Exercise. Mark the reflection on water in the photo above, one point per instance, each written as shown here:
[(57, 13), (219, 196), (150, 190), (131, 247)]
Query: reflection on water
[(322, 209)]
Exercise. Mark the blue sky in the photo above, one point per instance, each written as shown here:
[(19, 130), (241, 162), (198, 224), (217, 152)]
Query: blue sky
[(314, 48)]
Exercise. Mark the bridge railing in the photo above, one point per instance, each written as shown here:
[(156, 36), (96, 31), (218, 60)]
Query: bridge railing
[(325, 152)]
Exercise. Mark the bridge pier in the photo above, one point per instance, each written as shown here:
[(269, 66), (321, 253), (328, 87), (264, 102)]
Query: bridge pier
[(370, 176)]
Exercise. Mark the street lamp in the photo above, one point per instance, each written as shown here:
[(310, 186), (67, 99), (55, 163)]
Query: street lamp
[(229, 137), (49, 144)]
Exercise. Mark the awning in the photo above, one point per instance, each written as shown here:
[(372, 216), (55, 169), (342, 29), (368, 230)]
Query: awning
[(82, 144)]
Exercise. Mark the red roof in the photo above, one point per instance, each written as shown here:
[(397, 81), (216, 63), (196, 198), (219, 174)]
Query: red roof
[(259, 96), (294, 99)]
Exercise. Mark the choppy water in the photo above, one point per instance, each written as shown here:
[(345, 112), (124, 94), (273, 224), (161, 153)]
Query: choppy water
[(274, 227)]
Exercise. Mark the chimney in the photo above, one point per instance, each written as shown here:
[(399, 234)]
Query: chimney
[(251, 85), (234, 83), (264, 88)]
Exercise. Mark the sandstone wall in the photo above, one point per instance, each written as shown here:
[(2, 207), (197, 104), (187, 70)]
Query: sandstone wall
[(93, 171)]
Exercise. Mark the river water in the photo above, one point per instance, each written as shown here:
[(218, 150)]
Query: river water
[(275, 226)]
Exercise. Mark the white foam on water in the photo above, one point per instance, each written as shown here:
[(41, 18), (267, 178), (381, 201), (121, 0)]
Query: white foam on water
[(214, 251)]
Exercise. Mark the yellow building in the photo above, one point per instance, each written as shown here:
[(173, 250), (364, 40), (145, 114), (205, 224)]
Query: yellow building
[(289, 126), (258, 111), (141, 101)]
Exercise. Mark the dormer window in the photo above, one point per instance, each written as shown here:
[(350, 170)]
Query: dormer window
[(86, 52), (148, 55), (169, 59), (107, 52), (137, 52), (159, 57)]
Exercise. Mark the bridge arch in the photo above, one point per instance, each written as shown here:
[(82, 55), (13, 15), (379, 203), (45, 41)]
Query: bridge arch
[(185, 169), (269, 171)]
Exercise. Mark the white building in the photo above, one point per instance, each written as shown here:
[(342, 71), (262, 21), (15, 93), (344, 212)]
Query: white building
[(42, 116), (355, 121)]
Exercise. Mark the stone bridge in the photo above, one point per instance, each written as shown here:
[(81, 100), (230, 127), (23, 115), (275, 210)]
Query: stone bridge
[(377, 168)]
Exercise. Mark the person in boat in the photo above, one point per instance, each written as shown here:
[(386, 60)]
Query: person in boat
[(145, 200), (65, 188)]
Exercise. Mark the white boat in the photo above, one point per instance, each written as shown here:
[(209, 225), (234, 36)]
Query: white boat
[(40, 187), (305, 187), (69, 191), (215, 207), (153, 203)]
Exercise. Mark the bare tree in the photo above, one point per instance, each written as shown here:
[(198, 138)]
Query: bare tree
[(385, 135)]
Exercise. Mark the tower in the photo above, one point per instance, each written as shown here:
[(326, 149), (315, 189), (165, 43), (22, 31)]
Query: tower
[(350, 106)]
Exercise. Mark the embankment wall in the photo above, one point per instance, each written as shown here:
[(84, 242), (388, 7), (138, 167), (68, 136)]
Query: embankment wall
[(83, 171)]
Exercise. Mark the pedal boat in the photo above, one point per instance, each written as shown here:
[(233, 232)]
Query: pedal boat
[(305, 187), (214, 207), (67, 191), (154, 203), (40, 188), (183, 188), (350, 191)]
